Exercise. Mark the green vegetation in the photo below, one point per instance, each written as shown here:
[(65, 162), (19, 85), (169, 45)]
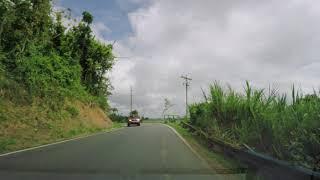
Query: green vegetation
[(49, 60), (266, 121), (134, 113), (8, 144), (52, 77), (217, 162), (116, 117)]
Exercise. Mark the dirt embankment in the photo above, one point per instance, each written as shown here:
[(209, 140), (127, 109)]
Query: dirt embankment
[(23, 126)]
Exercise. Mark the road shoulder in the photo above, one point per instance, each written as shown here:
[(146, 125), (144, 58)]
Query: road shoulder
[(216, 161), (115, 127)]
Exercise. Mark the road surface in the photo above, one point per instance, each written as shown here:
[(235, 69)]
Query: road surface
[(151, 151)]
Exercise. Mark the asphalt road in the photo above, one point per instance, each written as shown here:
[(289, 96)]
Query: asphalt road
[(151, 151)]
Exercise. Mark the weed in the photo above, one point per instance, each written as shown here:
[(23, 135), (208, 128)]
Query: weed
[(268, 122), (73, 111), (5, 143)]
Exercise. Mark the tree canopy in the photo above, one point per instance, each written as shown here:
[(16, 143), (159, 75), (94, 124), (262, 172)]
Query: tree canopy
[(38, 51), (134, 113)]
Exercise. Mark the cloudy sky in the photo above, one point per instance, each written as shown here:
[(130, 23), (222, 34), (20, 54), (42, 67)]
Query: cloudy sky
[(267, 42)]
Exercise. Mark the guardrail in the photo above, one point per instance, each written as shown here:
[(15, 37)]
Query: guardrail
[(263, 166)]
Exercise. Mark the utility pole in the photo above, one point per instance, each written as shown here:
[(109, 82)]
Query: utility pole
[(187, 84), (130, 100)]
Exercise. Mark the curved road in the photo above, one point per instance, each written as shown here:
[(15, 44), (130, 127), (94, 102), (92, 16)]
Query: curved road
[(151, 151)]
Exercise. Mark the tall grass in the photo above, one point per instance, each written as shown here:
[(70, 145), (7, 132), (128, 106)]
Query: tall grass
[(269, 122)]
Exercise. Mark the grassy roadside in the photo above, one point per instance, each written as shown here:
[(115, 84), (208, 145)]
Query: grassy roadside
[(281, 125), (216, 161), (10, 144)]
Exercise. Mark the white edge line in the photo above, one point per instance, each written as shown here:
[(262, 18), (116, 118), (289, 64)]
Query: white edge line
[(59, 142), (190, 147)]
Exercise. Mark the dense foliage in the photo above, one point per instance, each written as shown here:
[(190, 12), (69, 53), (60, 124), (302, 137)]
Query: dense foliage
[(266, 121), (116, 116), (50, 60), (134, 113)]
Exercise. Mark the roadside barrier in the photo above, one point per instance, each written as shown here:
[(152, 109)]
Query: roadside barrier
[(262, 165)]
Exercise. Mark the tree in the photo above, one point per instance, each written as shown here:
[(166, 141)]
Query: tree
[(114, 110), (134, 113), (87, 17), (82, 42), (167, 106), (100, 60), (39, 52), (95, 57), (58, 35), (25, 24)]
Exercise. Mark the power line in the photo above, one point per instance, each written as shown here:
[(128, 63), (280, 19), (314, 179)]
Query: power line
[(134, 58), (187, 84), (122, 57)]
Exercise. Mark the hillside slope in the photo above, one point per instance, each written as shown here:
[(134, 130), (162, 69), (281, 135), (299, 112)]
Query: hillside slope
[(27, 121), (53, 82), (26, 126)]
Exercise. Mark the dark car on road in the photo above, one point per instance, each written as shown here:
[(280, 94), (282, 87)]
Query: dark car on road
[(134, 120)]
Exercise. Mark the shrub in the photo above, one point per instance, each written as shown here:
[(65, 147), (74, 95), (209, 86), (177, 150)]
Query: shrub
[(73, 111), (48, 75), (118, 118), (266, 122)]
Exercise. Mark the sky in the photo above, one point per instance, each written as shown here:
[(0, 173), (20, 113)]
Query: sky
[(267, 42)]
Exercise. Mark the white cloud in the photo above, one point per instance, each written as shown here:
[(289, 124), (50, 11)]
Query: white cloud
[(68, 20), (265, 42), (99, 28)]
